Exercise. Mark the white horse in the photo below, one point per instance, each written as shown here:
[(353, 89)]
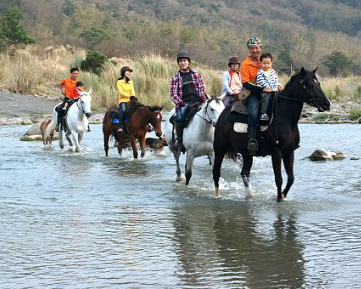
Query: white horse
[(76, 121), (197, 136)]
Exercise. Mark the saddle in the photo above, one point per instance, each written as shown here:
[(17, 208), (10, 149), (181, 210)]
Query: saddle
[(193, 109), (239, 117)]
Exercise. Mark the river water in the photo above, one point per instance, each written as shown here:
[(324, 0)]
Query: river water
[(86, 221)]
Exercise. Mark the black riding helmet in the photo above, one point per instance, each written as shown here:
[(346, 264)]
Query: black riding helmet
[(183, 54)]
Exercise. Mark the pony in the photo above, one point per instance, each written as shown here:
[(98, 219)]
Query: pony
[(197, 136), (282, 136), (76, 121), (47, 140), (137, 127)]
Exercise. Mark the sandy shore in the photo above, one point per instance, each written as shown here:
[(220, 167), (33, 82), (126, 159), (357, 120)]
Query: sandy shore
[(18, 109)]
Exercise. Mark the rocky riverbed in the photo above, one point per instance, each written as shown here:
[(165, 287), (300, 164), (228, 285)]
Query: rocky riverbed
[(20, 109)]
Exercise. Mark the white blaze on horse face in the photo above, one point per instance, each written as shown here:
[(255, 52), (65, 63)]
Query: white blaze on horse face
[(214, 110)]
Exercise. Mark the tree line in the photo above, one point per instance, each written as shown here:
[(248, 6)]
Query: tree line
[(298, 33)]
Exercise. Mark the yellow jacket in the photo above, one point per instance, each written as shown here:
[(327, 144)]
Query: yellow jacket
[(125, 90)]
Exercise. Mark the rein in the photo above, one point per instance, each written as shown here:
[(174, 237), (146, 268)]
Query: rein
[(280, 95), (206, 108)]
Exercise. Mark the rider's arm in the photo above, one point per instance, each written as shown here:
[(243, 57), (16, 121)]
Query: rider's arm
[(173, 92), (62, 86), (225, 83), (247, 81), (201, 86)]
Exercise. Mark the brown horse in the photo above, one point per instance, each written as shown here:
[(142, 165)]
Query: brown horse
[(282, 136), (137, 127), (47, 140)]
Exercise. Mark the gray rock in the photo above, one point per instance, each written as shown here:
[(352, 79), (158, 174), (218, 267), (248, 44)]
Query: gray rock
[(324, 155)]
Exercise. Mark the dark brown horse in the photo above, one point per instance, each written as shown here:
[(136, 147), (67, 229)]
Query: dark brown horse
[(282, 137), (137, 127)]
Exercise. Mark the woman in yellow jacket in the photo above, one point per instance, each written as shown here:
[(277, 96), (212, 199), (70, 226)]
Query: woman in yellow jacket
[(126, 91)]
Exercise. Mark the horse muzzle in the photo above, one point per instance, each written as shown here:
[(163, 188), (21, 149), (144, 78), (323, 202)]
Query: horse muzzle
[(158, 134), (87, 114)]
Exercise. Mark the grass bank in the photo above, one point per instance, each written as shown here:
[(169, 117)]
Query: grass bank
[(34, 70)]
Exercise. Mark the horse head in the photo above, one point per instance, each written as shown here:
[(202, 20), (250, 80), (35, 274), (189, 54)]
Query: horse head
[(84, 102), (213, 109), (156, 119), (309, 89)]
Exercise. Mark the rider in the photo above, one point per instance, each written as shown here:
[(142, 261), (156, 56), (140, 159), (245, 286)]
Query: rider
[(67, 85), (249, 69), (126, 92), (231, 81), (186, 87), (267, 78)]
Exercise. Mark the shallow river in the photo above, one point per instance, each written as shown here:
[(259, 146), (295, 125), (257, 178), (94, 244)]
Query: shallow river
[(86, 221)]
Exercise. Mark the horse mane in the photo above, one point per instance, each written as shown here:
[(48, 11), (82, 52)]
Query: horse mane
[(303, 74)]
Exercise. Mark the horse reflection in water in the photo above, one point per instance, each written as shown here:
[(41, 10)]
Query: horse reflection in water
[(282, 136), (137, 127), (197, 136), (226, 244)]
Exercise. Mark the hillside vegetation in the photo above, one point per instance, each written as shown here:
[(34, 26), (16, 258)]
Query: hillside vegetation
[(310, 33)]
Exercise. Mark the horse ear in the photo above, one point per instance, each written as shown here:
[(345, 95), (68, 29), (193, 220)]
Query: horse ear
[(303, 72), (161, 107), (223, 96), (208, 97), (90, 91), (315, 70)]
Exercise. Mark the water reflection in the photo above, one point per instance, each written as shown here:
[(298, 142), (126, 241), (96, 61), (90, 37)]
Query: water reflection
[(224, 245)]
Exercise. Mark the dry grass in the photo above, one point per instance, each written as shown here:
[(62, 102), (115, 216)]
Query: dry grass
[(37, 71)]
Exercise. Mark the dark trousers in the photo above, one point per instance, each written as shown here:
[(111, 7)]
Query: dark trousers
[(265, 102), (253, 106)]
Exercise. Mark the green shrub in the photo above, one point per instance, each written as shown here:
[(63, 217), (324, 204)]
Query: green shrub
[(355, 114), (94, 62)]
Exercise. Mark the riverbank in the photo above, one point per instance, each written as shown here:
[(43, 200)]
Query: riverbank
[(19, 109)]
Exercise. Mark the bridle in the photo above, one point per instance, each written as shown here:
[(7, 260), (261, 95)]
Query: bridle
[(207, 115)]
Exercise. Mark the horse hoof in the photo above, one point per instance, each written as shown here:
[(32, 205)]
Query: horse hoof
[(181, 178), (78, 150)]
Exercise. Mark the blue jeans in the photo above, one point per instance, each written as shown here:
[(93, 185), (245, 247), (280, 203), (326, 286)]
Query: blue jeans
[(253, 105), (181, 113)]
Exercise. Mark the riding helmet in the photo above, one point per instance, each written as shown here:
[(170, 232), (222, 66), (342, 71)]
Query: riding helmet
[(183, 54), (233, 60)]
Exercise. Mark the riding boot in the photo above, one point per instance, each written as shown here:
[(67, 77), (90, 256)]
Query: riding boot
[(59, 121), (264, 107), (252, 143), (179, 132), (121, 123)]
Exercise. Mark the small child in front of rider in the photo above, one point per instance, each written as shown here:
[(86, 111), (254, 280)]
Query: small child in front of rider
[(79, 86), (268, 79)]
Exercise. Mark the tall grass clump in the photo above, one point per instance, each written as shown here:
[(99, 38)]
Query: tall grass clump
[(22, 72)]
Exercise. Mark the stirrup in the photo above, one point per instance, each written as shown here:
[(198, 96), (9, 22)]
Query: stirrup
[(252, 147), (264, 117)]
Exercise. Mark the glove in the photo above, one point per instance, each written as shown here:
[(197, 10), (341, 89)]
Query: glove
[(181, 103), (133, 98)]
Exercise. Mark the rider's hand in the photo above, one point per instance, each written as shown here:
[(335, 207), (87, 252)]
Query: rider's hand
[(181, 103), (133, 98), (266, 89), (280, 88)]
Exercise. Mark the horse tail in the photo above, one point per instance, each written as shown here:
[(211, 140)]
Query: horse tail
[(49, 129)]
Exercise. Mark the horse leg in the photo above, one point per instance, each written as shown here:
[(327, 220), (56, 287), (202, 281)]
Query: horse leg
[(134, 146), (218, 159), (106, 143), (245, 173), (276, 163), (176, 155), (211, 158), (61, 139), (142, 146), (189, 166), (288, 161), (67, 135), (74, 137)]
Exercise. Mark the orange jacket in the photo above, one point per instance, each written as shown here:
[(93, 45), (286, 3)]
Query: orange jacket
[(249, 70)]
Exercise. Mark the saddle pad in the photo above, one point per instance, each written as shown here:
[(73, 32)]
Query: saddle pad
[(240, 127), (240, 107)]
